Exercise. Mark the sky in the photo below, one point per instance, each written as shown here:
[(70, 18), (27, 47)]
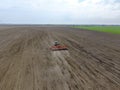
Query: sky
[(60, 12)]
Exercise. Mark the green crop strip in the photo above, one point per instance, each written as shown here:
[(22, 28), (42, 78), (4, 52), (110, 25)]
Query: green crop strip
[(108, 29)]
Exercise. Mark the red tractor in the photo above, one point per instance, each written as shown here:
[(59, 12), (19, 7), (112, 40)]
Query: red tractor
[(57, 47)]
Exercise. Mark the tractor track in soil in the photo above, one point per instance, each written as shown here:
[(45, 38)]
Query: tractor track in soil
[(92, 61)]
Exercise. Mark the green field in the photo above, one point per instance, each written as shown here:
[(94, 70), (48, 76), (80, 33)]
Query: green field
[(108, 29)]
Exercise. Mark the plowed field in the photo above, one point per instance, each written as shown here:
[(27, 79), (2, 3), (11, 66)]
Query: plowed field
[(92, 61)]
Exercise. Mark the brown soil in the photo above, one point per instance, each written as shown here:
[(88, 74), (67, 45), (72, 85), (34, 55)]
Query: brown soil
[(92, 61)]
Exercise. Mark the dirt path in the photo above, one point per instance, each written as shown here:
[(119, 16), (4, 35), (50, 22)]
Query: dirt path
[(92, 61)]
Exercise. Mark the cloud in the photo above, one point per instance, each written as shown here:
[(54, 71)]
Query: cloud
[(61, 11)]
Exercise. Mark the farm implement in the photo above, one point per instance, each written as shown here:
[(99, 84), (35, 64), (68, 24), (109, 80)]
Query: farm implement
[(58, 47)]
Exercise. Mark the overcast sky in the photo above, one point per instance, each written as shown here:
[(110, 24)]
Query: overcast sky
[(60, 11)]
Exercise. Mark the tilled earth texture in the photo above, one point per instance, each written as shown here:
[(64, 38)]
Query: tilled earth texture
[(92, 61)]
